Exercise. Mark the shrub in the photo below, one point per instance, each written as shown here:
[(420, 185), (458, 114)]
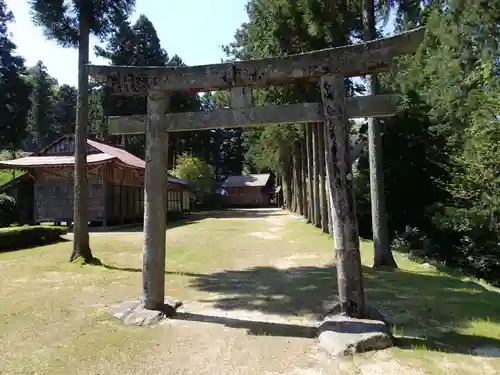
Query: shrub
[(471, 249), (15, 238), (7, 210)]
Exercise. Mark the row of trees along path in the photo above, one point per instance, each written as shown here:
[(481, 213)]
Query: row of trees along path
[(329, 67)]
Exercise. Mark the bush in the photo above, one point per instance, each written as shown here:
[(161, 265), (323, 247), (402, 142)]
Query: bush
[(472, 250), (15, 238), (7, 210)]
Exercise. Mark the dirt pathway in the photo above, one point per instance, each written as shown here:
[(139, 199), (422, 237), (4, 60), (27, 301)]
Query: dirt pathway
[(232, 340)]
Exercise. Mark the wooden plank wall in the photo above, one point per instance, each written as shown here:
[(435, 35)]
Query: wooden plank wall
[(120, 189), (125, 194), (246, 196), (174, 201), (53, 194)]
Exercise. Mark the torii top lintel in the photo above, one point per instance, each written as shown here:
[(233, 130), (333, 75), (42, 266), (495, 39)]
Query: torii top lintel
[(351, 60)]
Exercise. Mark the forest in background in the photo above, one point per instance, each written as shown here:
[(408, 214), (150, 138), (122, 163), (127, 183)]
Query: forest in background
[(441, 151)]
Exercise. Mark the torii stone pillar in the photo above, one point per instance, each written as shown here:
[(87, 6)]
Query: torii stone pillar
[(155, 190)]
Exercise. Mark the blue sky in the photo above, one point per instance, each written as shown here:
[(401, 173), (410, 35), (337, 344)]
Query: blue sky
[(192, 29)]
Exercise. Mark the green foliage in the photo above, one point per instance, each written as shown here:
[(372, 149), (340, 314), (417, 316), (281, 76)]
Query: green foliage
[(5, 176), (15, 238), (456, 75), (41, 118), (60, 18), (197, 172), (65, 109), (414, 157), (277, 28), (14, 88), (7, 210)]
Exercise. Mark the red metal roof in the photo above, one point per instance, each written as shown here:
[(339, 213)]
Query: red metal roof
[(53, 161), (108, 154), (124, 156), (249, 180)]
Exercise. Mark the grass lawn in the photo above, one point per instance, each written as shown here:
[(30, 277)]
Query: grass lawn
[(233, 272), (6, 175)]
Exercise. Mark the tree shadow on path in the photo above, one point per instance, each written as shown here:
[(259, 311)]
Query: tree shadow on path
[(418, 304), (253, 327)]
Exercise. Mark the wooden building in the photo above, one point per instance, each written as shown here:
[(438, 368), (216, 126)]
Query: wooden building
[(250, 190), (115, 182)]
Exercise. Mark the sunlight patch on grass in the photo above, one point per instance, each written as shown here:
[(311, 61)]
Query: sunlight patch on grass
[(55, 312)]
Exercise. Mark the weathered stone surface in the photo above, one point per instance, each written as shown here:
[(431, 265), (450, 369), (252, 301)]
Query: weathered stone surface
[(133, 312), (350, 60), (247, 116), (332, 308), (343, 336)]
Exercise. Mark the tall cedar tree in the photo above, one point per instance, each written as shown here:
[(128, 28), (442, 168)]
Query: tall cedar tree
[(14, 87), (70, 23), (41, 120), (407, 11), (65, 109)]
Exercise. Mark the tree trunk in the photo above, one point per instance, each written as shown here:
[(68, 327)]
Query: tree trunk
[(329, 198), (346, 239), (303, 177), (317, 199), (276, 192), (310, 196), (282, 193), (298, 177), (321, 176), (382, 249), (332, 222), (81, 246), (287, 182), (155, 190), (293, 184)]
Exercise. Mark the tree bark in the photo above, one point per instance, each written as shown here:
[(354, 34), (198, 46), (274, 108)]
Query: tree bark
[(303, 177), (287, 188), (321, 176), (382, 249), (346, 239), (298, 177), (329, 198), (155, 190), (334, 227), (317, 198), (81, 246), (310, 196), (294, 184)]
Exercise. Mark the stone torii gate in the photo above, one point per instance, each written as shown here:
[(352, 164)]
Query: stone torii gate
[(328, 67)]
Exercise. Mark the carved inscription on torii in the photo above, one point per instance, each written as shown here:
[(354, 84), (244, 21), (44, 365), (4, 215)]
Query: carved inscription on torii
[(352, 60), (328, 67)]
